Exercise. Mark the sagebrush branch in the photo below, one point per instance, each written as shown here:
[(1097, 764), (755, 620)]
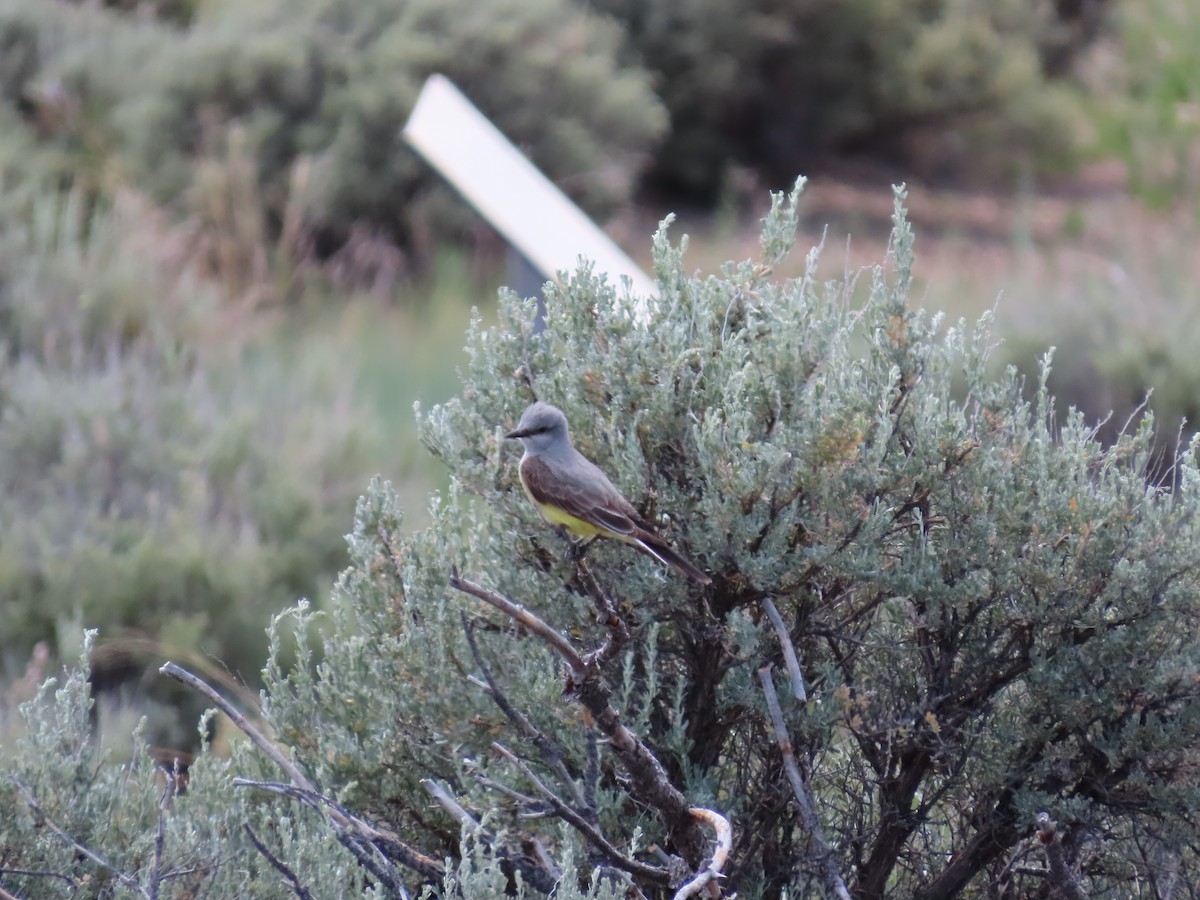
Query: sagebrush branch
[(350, 829), (353, 833), (542, 874), (242, 723), (281, 867), (1060, 871), (551, 753), (707, 877), (834, 885), (618, 631), (522, 616), (648, 781), (789, 650), (598, 840), (35, 807)]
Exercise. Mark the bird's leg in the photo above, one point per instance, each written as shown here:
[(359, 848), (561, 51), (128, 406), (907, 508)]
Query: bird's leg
[(575, 548)]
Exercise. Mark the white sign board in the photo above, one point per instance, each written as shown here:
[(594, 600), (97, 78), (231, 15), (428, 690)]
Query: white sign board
[(519, 201)]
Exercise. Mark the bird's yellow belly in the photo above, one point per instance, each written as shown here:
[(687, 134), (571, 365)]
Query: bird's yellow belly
[(573, 524)]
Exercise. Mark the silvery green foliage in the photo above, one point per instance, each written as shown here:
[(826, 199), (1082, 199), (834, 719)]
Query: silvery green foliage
[(991, 610), (78, 821), (95, 830), (985, 599)]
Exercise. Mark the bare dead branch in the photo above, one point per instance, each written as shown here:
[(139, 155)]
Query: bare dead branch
[(789, 650), (540, 874), (606, 609), (550, 751), (243, 724), (156, 874), (724, 835), (350, 830), (598, 840), (520, 614), (648, 780), (531, 806), (352, 826), (356, 836), (452, 806), (834, 884), (708, 876), (387, 875), (1060, 871), (128, 880), (277, 864)]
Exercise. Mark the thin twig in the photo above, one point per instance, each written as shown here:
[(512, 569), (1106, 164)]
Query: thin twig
[(190, 870), (714, 869), (353, 833), (276, 863), (615, 856), (243, 724), (789, 651), (648, 779), (618, 631), (36, 873), (518, 612), (129, 881), (343, 821), (1060, 871), (387, 875), (452, 806), (160, 838), (550, 751), (543, 878), (531, 806), (421, 863), (808, 815)]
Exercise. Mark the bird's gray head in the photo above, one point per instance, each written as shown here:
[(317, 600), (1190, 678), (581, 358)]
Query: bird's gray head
[(542, 427)]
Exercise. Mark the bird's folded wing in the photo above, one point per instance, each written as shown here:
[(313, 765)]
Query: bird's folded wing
[(581, 501)]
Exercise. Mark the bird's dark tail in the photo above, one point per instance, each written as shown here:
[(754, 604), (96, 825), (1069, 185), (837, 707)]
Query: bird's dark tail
[(653, 545)]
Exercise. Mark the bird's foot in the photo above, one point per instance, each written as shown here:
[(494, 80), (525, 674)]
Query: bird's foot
[(576, 549)]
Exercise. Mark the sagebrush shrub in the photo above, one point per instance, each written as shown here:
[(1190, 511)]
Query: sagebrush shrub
[(989, 608)]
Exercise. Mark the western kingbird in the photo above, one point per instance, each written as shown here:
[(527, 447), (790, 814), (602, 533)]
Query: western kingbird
[(571, 492)]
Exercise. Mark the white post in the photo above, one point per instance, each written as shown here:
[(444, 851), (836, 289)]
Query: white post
[(528, 210)]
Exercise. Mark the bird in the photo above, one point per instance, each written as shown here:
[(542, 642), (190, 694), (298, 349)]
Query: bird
[(573, 494)]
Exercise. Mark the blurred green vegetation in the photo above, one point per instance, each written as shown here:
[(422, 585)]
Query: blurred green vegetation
[(156, 469), (177, 464), (316, 92), (1145, 100), (682, 94), (779, 86)]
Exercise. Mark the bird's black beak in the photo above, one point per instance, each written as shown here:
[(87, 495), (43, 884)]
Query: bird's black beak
[(513, 435)]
